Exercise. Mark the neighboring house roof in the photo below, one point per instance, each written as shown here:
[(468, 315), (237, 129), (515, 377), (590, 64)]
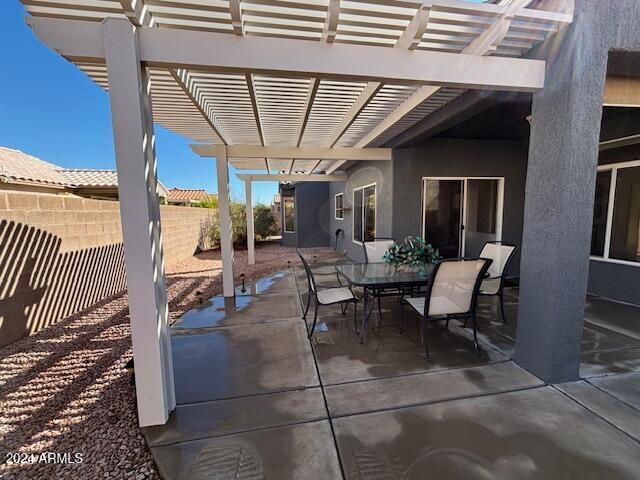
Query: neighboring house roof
[(90, 178), (162, 190), (189, 195), (18, 167)]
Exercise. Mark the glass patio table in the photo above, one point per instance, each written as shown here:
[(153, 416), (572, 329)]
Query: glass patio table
[(378, 276)]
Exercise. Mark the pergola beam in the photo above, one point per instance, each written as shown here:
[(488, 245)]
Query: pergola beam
[(301, 153), (284, 177), (172, 48)]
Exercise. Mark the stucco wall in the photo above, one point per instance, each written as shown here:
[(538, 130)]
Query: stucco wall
[(363, 173), (312, 214), (60, 254), (459, 158)]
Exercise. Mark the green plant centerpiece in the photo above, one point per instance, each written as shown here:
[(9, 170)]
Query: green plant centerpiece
[(411, 252)]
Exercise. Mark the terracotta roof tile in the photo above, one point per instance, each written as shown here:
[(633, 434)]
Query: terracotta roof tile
[(17, 166), (183, 194), (83, 177)]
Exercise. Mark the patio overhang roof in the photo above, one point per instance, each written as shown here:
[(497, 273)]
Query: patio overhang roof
[(307, 73)]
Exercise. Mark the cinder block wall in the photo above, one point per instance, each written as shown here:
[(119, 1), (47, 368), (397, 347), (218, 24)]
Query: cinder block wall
[(59, 255)]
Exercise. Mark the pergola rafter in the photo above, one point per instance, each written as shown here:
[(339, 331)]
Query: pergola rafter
[(182, 78), (236, 17), (138, 13), (311, 95), (331, 22)]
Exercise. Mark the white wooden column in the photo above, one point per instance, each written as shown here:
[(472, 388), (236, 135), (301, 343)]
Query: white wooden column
[(140, 215), (224, 217), (251, 254)]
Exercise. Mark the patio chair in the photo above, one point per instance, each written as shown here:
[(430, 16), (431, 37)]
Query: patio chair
[(325, 297), (452, 293), (501, 253), (374, 253), (374, 250)]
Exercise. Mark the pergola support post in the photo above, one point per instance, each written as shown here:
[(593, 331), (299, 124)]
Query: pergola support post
[(132, 118), (251, 255), (224, 217)]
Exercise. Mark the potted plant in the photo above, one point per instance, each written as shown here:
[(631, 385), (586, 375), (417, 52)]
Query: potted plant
[(411, 252)]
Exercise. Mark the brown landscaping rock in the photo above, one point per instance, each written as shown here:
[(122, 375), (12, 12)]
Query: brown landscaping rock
[(65, 389)]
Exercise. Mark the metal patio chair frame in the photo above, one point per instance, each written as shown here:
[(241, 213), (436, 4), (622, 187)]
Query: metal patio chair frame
[(471, 313), (500, 292), (313, 296), (379, 293)]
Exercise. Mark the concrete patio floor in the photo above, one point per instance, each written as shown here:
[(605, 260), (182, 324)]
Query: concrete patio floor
[(256, 399)]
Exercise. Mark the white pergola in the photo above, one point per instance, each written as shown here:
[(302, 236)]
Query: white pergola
[(299, 89)]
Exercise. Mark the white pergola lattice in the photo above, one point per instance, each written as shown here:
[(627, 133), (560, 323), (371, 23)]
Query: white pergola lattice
[(295, 88), (313, 109)]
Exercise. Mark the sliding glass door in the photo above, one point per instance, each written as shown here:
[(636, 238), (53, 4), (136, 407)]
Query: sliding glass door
[(442, 215), (481, 220), (461, 214)]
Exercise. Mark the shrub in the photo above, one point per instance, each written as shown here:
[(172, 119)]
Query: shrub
[(211, 203), (264, 222)]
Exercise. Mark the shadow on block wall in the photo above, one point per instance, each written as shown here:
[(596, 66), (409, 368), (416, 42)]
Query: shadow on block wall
[(40, 285)]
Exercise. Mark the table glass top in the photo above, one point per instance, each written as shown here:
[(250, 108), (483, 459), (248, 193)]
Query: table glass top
[(374, 274)]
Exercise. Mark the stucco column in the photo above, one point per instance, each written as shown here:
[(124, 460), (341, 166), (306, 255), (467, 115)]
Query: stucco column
[(129, 88), (560, 189)]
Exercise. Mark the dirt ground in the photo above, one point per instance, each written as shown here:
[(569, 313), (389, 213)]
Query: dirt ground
[(65, 389)]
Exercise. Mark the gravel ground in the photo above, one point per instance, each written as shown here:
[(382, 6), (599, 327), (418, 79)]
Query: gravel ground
[(65, 389)]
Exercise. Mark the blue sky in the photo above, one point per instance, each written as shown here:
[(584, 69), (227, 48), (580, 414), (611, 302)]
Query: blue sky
[(51, 110)]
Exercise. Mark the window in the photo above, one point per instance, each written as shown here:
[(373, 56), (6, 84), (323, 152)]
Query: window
[(625, 226), (600, 208), (289, 215), (338, 206), (616, 219), (364, 213)]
